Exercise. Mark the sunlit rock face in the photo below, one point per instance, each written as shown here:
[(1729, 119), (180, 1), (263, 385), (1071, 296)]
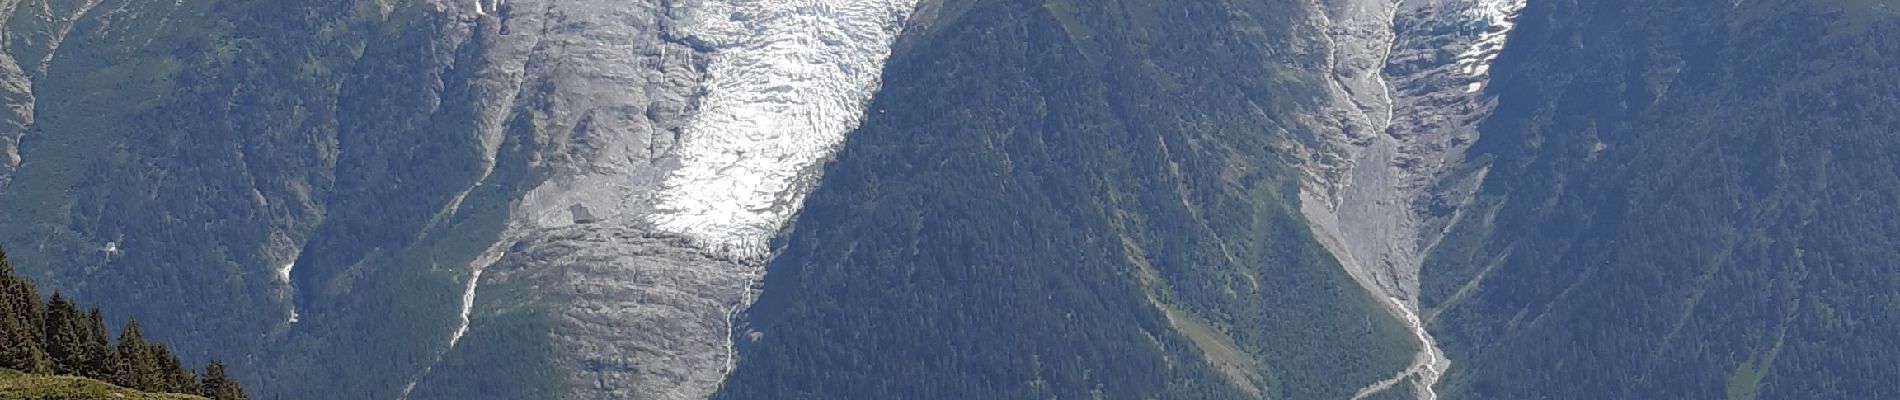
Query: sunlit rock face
[(671, 139), (1438, 70), (16, 85), (1387, 175)]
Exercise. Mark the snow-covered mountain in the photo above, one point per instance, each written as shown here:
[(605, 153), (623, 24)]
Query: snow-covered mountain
[(683, 134), (1208, 199)]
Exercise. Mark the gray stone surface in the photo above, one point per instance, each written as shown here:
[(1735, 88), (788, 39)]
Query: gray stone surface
[(676, 137), (1387, 175), (16, 100)]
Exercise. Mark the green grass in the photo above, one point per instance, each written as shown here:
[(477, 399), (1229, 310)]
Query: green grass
[(1072, 20), (1220, 349), (1745, 382), (16, 385)]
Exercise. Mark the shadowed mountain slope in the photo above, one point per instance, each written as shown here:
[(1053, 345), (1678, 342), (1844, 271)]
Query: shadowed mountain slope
[(1065, 199), (1687, 200)]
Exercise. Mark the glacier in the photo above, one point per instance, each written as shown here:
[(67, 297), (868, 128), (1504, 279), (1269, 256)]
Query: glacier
[(678, 137), (788, 81), (672, 139)]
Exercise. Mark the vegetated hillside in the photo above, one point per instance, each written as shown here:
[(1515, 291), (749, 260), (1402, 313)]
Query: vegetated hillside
[(1686, 200), (179, 153), (20, 386), (1071, 200), (57, 337)]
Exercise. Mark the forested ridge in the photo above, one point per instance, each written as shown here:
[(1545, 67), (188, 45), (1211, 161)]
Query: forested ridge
[(1049, 199), (57, 337), (1064, 199), (200, 146), (1686, 201)]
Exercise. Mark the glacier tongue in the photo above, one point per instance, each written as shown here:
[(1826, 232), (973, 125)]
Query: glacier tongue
[(786, 81), (676, 137)]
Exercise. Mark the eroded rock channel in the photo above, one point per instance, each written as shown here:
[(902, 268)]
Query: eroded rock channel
[(1407, 94)]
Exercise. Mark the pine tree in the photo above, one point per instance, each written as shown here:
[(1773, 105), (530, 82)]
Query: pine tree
[(20, 323), (218, 385), (97, 348), (134, 366), (173, 376), (64, 336), (59, 338)]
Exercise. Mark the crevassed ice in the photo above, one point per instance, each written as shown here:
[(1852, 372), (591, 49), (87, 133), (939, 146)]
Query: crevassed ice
[(787, 80), (1495, 18)]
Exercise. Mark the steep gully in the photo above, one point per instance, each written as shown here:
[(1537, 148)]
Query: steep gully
[(1407, 85)]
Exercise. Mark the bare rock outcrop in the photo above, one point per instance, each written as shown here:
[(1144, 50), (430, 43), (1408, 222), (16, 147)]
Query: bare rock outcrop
[(673, 138), (1388, 175)]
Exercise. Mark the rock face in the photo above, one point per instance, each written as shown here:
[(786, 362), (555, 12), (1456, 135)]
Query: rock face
[(465, 198), (16, 87), (615, 167), (1407, 95), (1070, 199), (674, 137)]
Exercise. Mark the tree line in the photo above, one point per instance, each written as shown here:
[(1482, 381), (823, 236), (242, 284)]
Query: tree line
[(57, 337)]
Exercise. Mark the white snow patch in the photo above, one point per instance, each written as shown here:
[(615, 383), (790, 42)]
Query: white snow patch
[(487, 259), (283, 277), (784, 81), (1495, 18), (788, 79), (283, 272), (468, 306)]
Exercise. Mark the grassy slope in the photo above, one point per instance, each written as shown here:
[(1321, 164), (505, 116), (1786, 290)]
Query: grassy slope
[(15, 385)]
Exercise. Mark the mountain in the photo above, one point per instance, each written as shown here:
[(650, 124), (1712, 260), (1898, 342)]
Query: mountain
[(369, 190), (739, 199), (1684, 201), (1062, 200), (55, 336)]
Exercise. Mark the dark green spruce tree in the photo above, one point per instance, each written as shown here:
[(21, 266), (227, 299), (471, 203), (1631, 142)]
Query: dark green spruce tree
[(64, 336), (21, 316), (217, 385), (134, 366), (57, 337), (97, 347), (173, 376)]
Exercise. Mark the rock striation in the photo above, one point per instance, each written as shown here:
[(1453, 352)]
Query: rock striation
[(1388, 175), (671, 139)]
